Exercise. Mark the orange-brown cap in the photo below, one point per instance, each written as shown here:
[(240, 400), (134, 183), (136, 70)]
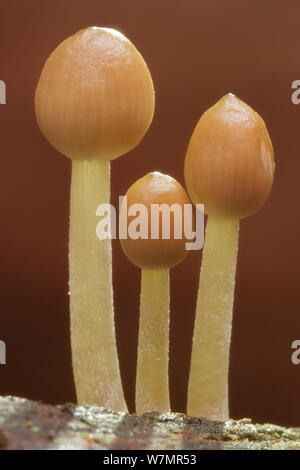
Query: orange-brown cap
[(95, 96), (156, 188), (229, 165)]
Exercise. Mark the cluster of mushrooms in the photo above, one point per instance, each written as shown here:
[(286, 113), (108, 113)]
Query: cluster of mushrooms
[(94, 102)]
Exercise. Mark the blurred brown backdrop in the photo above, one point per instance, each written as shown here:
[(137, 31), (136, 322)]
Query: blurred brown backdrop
[(197, 51)]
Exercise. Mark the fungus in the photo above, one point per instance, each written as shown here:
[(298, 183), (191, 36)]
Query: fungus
[(94, 102), (160, 196), (229, 166)]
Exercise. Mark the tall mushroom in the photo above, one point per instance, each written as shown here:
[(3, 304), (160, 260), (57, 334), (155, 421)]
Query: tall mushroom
[(229, 166), (155, 254), (94, 102)]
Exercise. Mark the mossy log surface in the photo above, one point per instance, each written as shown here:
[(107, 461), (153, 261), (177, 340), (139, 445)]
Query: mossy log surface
[(25, 424)]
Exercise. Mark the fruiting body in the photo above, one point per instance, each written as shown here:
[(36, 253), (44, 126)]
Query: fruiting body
[(94, 102), (229, 167), (155, 257), (95, 96), (156, 188)]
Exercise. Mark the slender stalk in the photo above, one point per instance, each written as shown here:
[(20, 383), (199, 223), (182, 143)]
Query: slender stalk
[(152, 383), (208, 382), (94, 353)]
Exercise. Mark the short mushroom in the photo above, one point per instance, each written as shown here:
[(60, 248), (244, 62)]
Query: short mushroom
[(229, 167), (94, 102), (155, 255)]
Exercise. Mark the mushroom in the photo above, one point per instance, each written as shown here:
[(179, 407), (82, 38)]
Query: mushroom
[(154, 197), (229, 166), (94, 102)]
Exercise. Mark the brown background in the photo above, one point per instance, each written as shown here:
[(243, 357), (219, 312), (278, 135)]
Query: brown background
[(197, 51)]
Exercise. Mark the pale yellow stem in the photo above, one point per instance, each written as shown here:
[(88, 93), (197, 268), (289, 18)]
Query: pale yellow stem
[(94, 352), (152, 382), (208, 382)]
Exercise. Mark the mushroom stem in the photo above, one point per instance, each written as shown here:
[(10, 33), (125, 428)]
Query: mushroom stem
[(152, 382), (94, 353), (208, 382)]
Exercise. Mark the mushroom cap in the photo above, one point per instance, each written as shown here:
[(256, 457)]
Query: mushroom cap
[(95, 96), (229, 165), (156, 188)]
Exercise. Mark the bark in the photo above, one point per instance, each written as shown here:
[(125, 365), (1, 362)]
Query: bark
[(26, 424)]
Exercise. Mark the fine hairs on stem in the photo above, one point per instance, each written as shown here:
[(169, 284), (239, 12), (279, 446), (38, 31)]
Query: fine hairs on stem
[(155, 257), (94, 102), (152, 381), (229, 166), (91, 286), (208, 387)]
